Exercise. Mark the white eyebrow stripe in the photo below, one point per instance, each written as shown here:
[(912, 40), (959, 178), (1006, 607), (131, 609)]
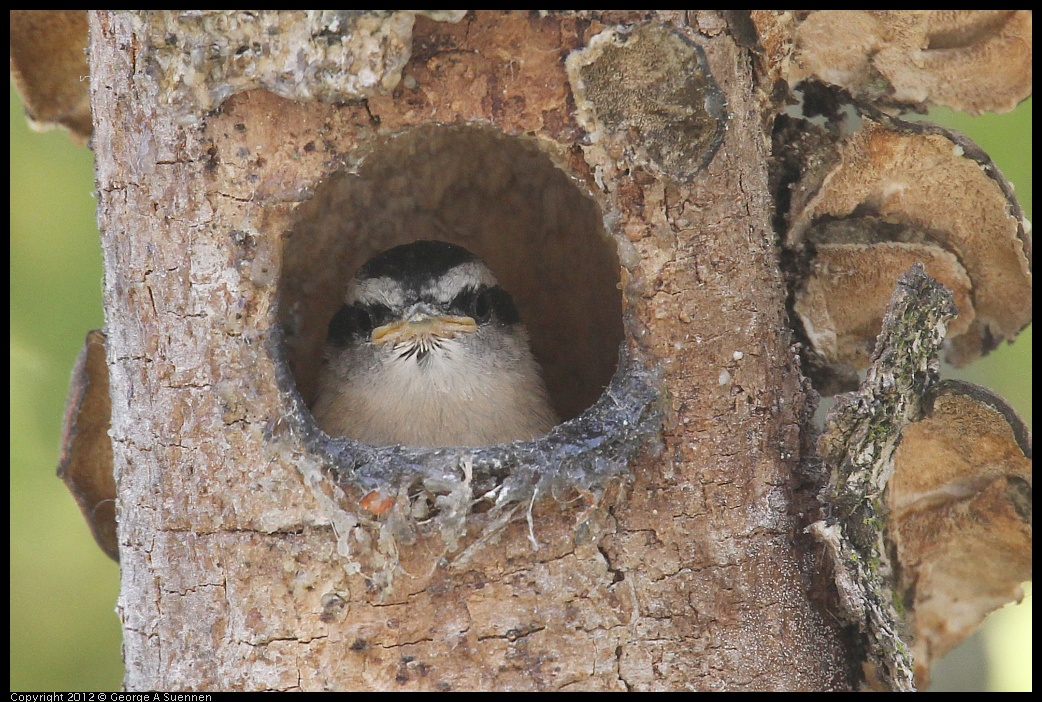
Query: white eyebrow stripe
[(383, 290), (454, 280)]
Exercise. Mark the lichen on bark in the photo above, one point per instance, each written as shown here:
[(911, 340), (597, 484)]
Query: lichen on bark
[(861, 434)]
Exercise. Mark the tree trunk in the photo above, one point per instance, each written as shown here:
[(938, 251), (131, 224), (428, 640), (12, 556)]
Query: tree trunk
[(688, 570)]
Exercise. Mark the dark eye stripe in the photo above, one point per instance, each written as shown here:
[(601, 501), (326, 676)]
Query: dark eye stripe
[(355, 322), (486, 304), (503, 306)]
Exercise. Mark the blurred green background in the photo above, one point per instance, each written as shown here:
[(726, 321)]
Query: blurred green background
[(64, 631)]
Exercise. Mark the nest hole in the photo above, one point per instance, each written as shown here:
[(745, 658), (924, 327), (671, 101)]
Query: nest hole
[(498, 196)]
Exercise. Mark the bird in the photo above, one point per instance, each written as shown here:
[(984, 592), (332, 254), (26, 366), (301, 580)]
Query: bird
[(428, 350)]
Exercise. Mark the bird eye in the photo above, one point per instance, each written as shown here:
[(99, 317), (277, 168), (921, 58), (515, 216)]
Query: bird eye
[(363, 320), (482, 307), (350, 322)]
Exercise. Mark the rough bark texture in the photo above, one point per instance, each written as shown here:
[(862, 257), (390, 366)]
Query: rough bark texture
[(693, 576)]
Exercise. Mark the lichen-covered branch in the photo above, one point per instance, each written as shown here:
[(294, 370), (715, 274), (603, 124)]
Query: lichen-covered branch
[(861, 434)]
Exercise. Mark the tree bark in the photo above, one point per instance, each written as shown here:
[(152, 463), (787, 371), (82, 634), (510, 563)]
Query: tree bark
[(694, 574)]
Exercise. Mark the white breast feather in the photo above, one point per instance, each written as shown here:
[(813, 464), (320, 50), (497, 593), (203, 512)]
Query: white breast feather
[(462, 393)]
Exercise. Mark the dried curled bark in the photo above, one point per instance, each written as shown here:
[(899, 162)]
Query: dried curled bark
[(973, 60)]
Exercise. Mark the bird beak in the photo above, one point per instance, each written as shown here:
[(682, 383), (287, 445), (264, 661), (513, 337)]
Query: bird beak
[(421, 326)]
